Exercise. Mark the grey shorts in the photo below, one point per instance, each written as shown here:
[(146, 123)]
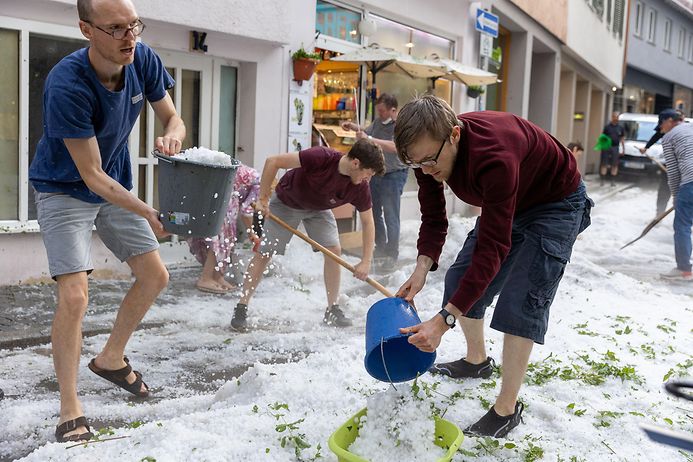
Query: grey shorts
[(320, 225), (66, 226)]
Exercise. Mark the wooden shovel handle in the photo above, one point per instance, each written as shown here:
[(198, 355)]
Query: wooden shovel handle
[(327, 252)]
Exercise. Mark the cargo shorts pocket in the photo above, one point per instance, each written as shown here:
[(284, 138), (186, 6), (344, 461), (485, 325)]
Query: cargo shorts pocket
[(545, 273), (549, 262)]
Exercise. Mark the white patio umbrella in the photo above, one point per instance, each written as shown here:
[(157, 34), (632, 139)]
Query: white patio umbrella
[(377, 59), (468, 75)]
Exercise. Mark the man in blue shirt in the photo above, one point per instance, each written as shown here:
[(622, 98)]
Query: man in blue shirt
[(82, 176)]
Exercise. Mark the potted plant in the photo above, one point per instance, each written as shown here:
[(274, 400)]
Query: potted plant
[(304, 64), (473, 91)]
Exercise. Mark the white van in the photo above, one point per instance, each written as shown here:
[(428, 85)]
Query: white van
[(639, 129)]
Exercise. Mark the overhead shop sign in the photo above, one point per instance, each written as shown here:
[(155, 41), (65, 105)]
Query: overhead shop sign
[(486, 22)]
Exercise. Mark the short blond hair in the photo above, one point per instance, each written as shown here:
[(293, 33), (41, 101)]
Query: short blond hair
[(425, 115)]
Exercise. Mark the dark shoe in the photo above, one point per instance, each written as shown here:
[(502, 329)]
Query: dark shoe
[(461, 368), (385, 265), (240, 318), (494, 425), (70, 425), (118, 377), (334, 316)]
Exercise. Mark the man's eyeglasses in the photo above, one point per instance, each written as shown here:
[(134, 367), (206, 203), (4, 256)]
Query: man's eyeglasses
[(430, 162), (119, 33)]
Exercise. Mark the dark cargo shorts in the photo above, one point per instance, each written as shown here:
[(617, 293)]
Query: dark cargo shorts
[(542, 242)]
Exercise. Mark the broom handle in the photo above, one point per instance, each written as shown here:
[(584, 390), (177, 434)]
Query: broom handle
[(329, 253)]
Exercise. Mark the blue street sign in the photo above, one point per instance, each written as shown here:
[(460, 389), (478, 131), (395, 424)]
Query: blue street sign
[(486, 22)]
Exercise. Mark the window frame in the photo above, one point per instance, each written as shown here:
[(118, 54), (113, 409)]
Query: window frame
[(690, 48), (639, 19), (651, 26), (681, 51), (25, 28), (668, 27)]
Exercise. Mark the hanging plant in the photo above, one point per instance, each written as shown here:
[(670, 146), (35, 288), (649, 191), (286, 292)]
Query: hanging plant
[(304, 64), (474, 91)]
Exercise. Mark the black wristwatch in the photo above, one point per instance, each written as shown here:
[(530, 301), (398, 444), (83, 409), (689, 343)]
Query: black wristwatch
[(448, 317)]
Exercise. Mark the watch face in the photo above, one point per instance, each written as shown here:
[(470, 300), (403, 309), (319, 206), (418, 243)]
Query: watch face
[(450, 320)]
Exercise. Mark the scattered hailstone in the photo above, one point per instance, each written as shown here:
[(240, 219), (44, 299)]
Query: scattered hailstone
[(206, 156), (216, 195), (398, 426)]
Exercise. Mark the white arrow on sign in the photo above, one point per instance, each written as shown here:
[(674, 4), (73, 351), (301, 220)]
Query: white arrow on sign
[(486, 23)]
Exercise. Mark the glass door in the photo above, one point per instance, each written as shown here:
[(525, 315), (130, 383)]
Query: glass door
[(192, 96)]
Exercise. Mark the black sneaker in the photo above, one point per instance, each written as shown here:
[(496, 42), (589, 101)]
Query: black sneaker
[(334, 316), (461, 368), (240, 318), (494, 425)]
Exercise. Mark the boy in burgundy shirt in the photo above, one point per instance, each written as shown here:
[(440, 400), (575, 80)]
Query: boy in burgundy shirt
[(533, 206), (320, 179)]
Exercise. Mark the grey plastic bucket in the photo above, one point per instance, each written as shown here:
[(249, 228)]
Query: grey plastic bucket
[(193, 197)]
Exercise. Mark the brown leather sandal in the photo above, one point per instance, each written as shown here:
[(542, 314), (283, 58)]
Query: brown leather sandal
[(70, 425), (118, 377)]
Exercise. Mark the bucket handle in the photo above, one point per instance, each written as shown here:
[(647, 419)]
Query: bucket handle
[(382, 356)]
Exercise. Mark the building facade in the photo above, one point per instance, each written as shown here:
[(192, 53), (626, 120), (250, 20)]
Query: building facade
[(235, 88), (564, 60), (659, 59)]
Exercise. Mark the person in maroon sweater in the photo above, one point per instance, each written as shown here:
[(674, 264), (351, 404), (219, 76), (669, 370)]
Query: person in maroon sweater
[(319, 180), (533, 205)]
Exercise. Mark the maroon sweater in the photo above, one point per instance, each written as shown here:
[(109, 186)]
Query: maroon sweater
[(505, 164)]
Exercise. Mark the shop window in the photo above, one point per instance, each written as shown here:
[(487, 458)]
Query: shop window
[(667, 35), (227, 110), (337, 22), (651, 25), (9, 125), (44, 53)]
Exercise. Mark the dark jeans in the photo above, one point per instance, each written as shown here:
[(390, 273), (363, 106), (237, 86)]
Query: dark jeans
[(542, 242), (683, 220), (386, 192)]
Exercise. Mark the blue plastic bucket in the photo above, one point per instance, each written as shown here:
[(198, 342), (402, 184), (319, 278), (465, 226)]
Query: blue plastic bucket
[(402, 360)]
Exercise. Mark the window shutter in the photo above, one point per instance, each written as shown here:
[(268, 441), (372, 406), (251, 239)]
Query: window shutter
[(619, 12)]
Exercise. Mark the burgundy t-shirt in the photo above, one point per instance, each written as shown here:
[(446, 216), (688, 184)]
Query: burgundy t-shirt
[(504, 165), (318, 185)]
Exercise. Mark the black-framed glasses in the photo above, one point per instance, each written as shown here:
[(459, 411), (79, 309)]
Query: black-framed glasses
[(430, 162), (119, 33)]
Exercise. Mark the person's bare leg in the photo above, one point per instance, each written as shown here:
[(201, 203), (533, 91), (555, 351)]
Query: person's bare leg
[(252, 276), (332, 276), (516, 351), (66, 338), (473, 330), (151, 277), (208, 276), (221, 272)]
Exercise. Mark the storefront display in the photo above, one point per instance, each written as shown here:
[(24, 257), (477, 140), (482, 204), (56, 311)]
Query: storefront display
[(335, 100)]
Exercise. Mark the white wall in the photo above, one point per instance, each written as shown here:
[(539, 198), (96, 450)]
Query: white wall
[(591, 41)]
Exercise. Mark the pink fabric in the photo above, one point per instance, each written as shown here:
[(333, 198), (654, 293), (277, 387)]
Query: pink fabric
[(246, 189)]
